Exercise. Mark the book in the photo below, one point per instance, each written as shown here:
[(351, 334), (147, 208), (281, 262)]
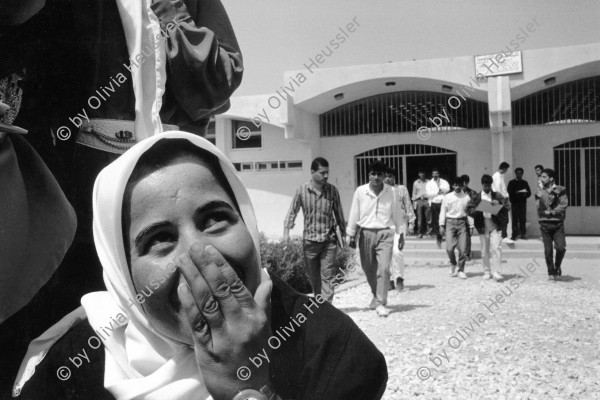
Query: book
[(487, 207)]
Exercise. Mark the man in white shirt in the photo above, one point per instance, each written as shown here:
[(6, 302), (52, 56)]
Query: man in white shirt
[(421, 205), (453, 223), (499, 186), (408, 218), (489, 228), (374, 217), (436, 189)]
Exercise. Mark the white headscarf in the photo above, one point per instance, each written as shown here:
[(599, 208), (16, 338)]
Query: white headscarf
[(140, 362)]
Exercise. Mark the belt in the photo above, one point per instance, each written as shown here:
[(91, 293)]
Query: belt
[(375, 229), (460, 219), (111, 135)]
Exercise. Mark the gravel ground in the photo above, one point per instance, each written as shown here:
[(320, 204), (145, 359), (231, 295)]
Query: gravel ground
[(446, 339)]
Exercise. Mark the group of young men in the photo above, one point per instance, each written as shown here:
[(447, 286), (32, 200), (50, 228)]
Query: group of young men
[(382, 214)]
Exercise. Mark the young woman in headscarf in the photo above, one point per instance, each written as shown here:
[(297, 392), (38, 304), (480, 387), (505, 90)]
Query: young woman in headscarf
[(188, 312)]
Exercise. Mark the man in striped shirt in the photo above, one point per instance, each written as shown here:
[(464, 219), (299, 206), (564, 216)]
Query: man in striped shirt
[(322, 209)]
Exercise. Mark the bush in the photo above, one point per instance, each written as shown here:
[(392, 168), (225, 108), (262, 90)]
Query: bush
[(286, 260)]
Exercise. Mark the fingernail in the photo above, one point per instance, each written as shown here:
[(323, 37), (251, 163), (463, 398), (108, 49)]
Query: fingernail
[(183, 288)]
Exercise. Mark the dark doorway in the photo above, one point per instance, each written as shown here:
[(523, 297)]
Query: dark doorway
[(445, 163)]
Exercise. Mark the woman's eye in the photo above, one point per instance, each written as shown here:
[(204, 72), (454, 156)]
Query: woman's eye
[(160, 241), (216, 220)]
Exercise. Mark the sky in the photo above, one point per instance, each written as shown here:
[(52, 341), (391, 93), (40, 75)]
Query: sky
[(282, 35)]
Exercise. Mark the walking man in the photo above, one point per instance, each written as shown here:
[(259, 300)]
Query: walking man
[(408, 218), (489, 227), (471, 193), (518, 193), (421, 201), (436, 189), (374, 217), (552, 203), (453, 223), (322, 209), (499, 186)]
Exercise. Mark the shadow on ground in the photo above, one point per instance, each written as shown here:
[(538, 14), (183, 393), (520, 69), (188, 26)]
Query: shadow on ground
[(393, 309), (412, 288)]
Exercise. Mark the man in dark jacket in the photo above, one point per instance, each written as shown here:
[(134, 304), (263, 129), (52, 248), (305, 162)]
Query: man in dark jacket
[(552, 202), (489, 226), (518, 192)]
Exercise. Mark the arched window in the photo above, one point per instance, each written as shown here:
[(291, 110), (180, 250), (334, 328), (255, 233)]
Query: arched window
[(405, 112), (570, 103)]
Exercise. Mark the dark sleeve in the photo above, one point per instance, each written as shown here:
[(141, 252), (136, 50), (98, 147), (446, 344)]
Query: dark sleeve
[(472, 205), (327, 357), (70, 355), (205, 61), (563, 202), (511, 190), (528, 190)]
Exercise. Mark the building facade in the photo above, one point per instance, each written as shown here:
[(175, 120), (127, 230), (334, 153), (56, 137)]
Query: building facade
[(464, 115)]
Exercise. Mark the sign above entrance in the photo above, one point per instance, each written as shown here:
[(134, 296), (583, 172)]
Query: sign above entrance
[(499, 64)]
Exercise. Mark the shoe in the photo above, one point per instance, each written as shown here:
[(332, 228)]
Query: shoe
[(383, 311), (552, 278), (524, 237), (452, 272), (559, 272), (462, 275), (486, 276), (392, 285), (497, 277), (508, 241), (373, 304), (399, 284), (469, 257), (420, 236), (513, 238), (439, 243)]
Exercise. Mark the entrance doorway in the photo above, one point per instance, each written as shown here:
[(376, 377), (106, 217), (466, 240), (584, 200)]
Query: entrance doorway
[(407, 159)]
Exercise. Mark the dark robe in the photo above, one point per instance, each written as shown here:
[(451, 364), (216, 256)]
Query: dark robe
[(327, 357)]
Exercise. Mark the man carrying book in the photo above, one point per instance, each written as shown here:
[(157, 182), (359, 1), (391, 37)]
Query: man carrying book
[(489, 210)]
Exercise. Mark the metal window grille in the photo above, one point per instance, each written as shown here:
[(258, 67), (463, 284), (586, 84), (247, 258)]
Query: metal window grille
[(397, 157), (577, 166), (405, 112), (573, 102)]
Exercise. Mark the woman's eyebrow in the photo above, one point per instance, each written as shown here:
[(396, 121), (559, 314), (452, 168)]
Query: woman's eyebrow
[(149, 229)]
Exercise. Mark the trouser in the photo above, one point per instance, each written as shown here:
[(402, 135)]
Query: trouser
[(319, 264), (491, 242), (375, 248), (397, 264), (436, 208), (468, 250), (456, 237), (423, 217), (553, 232), (518, 213)]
